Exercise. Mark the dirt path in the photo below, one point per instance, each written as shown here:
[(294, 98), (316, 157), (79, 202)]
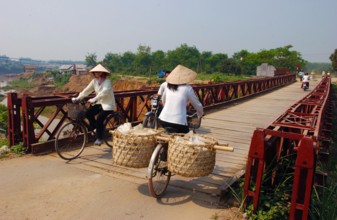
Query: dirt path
[(45, 187)]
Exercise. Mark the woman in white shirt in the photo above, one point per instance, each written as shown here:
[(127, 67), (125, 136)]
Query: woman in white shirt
[(102, 104), (176, 96)]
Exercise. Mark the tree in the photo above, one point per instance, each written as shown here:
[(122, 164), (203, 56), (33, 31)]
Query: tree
[(127, 60), (333, 58), (204, 62), (143, 59), (113, 62), (184, 55), (218, 63), (91, 60), (158, 60)]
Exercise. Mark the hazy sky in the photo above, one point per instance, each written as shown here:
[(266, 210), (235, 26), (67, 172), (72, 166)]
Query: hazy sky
[(71, 29)]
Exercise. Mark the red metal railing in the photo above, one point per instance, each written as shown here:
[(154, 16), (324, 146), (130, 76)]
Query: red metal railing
[(132, 104), (300, 133)]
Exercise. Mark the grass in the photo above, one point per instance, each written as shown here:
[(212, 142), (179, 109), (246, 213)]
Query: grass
[(221, 77)]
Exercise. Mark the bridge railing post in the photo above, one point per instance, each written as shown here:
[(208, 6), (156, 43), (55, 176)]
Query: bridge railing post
[(255, 168), (303, 179), (28, 119), (14, 126)]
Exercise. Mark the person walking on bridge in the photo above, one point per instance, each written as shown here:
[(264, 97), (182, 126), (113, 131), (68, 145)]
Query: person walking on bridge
[(163, 74), (102, 104), (175, 98)]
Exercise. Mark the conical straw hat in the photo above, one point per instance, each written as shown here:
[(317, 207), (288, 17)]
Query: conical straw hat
[(99, 68), (181, 75)]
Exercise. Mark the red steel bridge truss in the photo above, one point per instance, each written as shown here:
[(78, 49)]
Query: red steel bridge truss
[(26, 111), (302, 133)]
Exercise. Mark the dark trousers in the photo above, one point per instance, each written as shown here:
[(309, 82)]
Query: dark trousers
[(176, 127), (97, 123)]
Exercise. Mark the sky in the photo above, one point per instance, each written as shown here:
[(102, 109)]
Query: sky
[(72, 29)]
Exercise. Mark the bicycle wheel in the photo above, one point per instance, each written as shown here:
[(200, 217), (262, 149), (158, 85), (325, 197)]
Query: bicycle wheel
[(158, 174), (150, 121), (111, 123), (71, 140)]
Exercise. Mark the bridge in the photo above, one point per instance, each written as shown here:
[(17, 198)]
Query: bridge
[(234, 123)]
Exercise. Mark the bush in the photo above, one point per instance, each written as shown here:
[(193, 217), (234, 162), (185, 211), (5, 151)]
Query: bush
[(3, 117), (61, 79), (19, 149)]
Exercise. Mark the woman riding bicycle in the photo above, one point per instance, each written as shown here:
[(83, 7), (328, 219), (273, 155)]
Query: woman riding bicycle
[(102, 104), (176, 97)]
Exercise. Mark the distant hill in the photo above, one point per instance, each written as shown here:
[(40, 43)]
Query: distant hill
[(318, 67)]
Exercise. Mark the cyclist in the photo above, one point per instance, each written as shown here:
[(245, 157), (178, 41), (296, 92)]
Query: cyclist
[(102, 104), (175, 98), (305, 79)]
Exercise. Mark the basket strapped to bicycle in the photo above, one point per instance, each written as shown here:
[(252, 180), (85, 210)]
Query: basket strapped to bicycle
[(76, 111), (189, 159)]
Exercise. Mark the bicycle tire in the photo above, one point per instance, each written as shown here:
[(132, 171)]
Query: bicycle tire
[(71, 140), (158, 174), (150, 121), (111, 123)]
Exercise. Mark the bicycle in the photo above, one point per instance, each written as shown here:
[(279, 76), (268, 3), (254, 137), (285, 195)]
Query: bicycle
[(74, 135), (158, 173), (151, 118)]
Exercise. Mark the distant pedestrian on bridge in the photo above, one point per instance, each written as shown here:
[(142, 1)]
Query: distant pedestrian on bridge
[(163, 74), (301, 74), (102, 104), (175, 98)]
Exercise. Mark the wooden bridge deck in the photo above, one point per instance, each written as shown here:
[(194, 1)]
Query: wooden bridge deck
[(232, 124)]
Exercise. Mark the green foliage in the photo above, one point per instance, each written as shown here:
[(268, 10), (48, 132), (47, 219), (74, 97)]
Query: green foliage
[(281, 57), (145, 62), (21, 83), (221, 77), (3, 117), (3, 141), (274, 198), (333, 58), (274, 204), (19, 149), (61, 79)]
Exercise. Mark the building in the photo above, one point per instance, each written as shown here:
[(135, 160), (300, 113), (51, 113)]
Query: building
[(76, 69)]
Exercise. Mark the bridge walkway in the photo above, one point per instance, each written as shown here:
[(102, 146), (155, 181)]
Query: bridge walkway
[(232, 124)]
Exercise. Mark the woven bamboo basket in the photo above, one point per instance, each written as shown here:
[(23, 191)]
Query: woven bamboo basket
[(132, 149), (191, 160)]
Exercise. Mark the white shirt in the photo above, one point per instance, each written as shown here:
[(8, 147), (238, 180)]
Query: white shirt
[(104, 94), (175, 102), (162, 88), (306, 78)]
